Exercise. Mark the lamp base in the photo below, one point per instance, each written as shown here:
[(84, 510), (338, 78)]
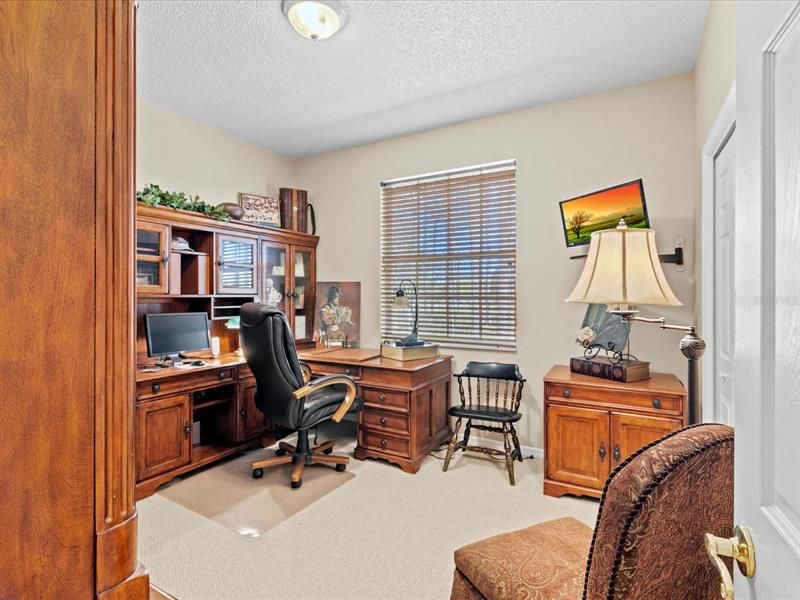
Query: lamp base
[(409, 341)]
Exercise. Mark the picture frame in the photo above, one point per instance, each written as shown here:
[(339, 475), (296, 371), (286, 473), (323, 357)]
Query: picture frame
[(260, 210), (338, 317)]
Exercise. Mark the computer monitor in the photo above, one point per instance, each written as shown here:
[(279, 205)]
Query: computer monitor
[(169, 334)]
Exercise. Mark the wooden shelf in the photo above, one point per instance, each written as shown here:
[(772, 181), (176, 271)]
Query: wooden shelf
[(214, 402)]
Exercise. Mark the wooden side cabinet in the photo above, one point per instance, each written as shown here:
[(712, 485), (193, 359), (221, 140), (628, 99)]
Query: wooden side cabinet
[(163, 435), (593, 424), (252, 422)]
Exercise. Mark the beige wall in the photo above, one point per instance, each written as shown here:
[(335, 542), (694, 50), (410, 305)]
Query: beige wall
[(562, 150), (715, 69), (184, 155), (714, 74)]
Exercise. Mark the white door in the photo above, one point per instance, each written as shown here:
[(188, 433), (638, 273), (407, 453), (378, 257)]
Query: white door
[(767, 280), (724, 325)]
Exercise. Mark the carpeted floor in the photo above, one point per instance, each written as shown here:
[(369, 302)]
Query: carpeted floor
[(383, 535)]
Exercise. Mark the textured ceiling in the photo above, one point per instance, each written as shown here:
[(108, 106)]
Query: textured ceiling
[(398, 66)]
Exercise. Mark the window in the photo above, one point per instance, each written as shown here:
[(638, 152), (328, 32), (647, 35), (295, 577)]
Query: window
[(454, 234)]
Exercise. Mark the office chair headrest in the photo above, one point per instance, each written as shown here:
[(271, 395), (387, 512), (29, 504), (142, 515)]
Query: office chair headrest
[(253, 314)]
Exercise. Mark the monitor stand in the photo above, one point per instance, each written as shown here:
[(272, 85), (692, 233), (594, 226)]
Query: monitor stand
[(168, 360)]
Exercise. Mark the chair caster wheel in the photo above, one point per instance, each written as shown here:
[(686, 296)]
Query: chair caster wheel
[(280, 452), (328, 450), (258, 473), (341, 468), (297, 484)]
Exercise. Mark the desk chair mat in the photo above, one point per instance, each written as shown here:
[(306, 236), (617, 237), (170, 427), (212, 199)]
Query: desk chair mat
[(228, 495)]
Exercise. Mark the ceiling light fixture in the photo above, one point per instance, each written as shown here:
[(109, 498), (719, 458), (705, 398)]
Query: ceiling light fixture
[(314, 19)]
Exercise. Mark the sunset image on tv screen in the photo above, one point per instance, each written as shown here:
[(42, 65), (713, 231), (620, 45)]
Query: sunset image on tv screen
[(603, 210)]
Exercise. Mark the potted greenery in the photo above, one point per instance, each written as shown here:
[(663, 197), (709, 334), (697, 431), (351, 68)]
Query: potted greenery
[(153, 195)]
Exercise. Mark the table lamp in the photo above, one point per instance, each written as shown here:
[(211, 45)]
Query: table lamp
[(401, 301), (623, 271)]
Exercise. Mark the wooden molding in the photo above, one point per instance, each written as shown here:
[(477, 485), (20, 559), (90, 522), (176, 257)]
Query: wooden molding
[(118, 574)]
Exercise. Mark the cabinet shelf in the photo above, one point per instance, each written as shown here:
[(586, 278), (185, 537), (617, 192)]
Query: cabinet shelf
[(210, 403)]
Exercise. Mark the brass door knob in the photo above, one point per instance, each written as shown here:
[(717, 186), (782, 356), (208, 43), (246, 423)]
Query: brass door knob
[(740, 548)]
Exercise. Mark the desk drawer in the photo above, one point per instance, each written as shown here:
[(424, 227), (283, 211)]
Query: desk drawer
[(190, 381), (383, 443), (331, 369), (385, 399), (380, 421), (661, 403)]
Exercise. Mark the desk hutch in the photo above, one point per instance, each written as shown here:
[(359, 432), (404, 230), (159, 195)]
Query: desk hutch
[(184, 418)]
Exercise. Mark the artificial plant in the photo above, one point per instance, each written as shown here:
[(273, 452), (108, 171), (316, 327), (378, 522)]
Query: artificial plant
[(153, 195)]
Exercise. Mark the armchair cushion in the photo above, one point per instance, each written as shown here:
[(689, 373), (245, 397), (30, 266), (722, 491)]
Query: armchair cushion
[(543, 562)]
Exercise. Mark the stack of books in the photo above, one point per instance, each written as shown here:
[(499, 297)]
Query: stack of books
[(626, 371), (395, 352)]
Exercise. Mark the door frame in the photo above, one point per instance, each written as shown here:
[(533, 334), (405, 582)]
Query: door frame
[(723, 128)]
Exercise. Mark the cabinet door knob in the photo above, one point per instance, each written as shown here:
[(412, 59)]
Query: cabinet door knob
[(602, 451), (187, 429), (616, 453), (155, 387), (656, 403), (382, 398), (383, 421), (243, 414), (566, 393), (383, 443), (165, 257)]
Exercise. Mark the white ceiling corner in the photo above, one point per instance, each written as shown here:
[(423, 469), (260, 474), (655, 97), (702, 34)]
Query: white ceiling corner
[(398, 66)]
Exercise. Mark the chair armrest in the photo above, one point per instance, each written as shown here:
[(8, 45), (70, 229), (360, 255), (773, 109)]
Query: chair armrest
[(327, 381), (306, 372)]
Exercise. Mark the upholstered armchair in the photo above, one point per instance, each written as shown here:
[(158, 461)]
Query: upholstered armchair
[(647, 542)]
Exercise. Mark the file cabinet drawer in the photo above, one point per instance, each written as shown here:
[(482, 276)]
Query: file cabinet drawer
[(378, 420), (385, 399), (383, 443)]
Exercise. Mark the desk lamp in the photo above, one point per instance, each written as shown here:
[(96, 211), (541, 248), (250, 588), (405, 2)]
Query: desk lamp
[(623, 271), (401, 301)]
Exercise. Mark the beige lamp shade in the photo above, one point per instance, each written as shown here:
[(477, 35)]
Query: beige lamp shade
[(623, 268)]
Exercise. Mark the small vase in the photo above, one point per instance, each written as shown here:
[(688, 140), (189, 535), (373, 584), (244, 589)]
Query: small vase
[(234, 210)]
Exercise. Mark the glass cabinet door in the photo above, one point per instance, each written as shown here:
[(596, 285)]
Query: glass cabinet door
[(236, 265), (273, 286), (152, 256), (303, 293)]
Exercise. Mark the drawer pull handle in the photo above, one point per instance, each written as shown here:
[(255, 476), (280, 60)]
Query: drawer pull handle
[(187, 429), (602, 451), (156, 388), (566, 393), (656, 403), (616, 453), (243, 414), (348, 371), (382, 398), (383, 443), (222, 375), (383, 421)]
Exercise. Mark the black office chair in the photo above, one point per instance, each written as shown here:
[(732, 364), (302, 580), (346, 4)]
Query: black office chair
[(283, 395), (489, 384)]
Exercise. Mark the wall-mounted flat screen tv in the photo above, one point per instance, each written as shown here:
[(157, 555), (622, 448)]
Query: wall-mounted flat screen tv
[(602, 210)]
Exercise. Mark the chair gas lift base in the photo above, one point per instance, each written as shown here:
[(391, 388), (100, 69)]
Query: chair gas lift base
[(486, 383)]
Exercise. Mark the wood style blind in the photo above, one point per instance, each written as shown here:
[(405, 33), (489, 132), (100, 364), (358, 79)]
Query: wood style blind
[(454, 234)]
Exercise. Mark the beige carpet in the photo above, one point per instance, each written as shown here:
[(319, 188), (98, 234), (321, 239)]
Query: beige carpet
[(227, 494), (384, 535)]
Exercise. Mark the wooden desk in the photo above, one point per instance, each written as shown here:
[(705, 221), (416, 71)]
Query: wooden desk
[(593, 424), (220, 396), (405, 403)]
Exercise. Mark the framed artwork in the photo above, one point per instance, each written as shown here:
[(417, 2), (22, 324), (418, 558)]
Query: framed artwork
[(260, 210), (338, 316)]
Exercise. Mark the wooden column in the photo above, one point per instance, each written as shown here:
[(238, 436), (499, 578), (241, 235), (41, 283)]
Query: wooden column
[(67, 103), (118, 573)]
